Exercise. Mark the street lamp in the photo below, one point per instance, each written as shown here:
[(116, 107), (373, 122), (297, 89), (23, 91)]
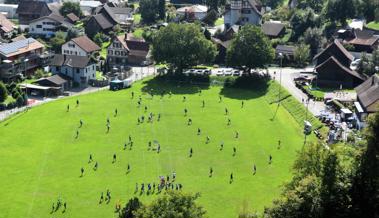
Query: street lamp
[(280, 75)]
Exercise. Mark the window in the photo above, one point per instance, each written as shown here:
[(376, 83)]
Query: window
[(71, 45), (93, 67), (245, 11), (39, 26), (77, 70), (76, 53), (110, 52), (117, 53)]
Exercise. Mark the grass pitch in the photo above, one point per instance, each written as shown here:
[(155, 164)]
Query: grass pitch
[(41, 159)]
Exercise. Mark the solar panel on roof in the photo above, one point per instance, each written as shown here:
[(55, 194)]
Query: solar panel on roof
[(15, 46)]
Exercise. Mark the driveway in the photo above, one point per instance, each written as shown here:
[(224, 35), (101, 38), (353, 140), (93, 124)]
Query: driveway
[(288, 74)]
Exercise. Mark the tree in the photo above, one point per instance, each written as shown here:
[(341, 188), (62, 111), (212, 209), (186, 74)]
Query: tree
[(316, 5), (211, 17), (71, 7), (149, 10), (301, 20), (99, 38), (250, 49), (130, 208), (173, 205), (73, 32), (340, 10), (301, 54), (314, 38), (162, 9), (272, 3), (181, 46), (215, 4), (57, 41), (365, 188), (3, 92)]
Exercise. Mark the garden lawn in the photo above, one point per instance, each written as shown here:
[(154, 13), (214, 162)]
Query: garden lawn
[(104, 46), (41, 159), (373, 25)]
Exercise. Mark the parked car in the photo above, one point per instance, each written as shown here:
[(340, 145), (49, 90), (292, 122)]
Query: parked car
[(220, 73), (228, 72), (236, 73)]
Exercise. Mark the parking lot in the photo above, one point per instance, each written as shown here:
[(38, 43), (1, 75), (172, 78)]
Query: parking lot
[(218, 72)]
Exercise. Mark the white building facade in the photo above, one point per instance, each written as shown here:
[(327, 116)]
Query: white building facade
[(242, 12)]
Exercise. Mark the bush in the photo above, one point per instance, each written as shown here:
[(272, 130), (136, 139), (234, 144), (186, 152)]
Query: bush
[(3, 92)]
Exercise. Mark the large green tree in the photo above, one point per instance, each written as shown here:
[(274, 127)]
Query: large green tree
[(181, 46), (250, 49), (3, 92), (301, 54), (341, 10), (162, 9), (316, 5), (365, 189), (130, 208), (314, 38), (172, 205), (215, 4), (71, 7), (57, 41), (301, 20), (149, 10)]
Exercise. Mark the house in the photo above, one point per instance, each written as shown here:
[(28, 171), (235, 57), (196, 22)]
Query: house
[(332, 73), (125, 50), (72, 18), (7, 28), (47, 26), (80, 69), (107, 17), (22, 56), (80, 46), (273, 29), (31, 10), (364, 41), (333, 67), (98, 23), (88, 7), (368, 94), (286, 50), (57, 83), (336, 50), (9, 10), (198, 11), (188, 2), (242, 12)]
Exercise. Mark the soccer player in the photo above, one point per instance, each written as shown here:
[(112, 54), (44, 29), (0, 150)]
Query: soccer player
[(82, 171)]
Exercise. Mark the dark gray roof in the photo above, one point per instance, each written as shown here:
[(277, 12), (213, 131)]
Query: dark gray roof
[(70, 60), (103, 22), (57, 18), (368, 92), (30, 7), (116, 13), (285, 49), (55, 79), (272, 28)]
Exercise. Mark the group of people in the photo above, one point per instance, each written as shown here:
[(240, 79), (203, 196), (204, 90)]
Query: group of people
[(57, 205), (164, 182)]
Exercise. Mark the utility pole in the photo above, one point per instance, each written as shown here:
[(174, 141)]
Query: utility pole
[(280, 76)]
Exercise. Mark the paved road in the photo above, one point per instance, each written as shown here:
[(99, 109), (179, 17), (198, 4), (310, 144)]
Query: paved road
[(288, 74)]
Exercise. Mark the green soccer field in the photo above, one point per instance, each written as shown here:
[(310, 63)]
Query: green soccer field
[(41, 158)]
